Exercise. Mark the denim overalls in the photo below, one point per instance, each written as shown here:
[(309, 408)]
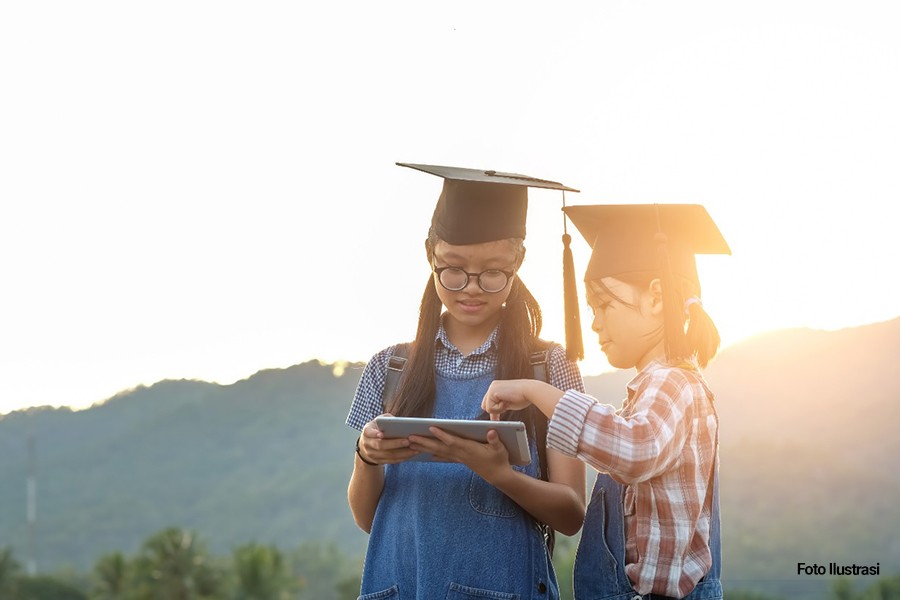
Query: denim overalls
[(600, 560), (443, 533)]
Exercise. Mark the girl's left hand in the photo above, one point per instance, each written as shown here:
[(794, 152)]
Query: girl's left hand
[(490, 460)]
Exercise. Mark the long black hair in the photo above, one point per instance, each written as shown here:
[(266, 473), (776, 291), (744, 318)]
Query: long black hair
[(519, 328)]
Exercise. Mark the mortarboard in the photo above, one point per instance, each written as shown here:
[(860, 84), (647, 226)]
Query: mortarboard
[(661, 238), (626, 238), (477, 206)]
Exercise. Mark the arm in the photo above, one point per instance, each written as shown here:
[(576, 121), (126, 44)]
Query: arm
[(634, 447), (567, 471), (364, 491), (558, 502), (516, 394), (519, 393), (367, 480)]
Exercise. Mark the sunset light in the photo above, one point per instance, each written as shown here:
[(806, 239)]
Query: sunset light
[(226, 201), (216, 276)]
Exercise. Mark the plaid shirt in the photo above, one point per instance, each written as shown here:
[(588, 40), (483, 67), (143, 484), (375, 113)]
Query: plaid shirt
[(450, 362), (661, 444)]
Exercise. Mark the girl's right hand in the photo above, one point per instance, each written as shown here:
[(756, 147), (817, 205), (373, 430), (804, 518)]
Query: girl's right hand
[(378, 449), (504, 395)]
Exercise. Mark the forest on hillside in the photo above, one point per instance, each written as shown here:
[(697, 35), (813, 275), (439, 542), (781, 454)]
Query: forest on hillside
[(175, 564), (266, 460)]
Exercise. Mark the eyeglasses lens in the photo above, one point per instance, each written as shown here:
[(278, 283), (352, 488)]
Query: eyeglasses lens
[(491, 281)]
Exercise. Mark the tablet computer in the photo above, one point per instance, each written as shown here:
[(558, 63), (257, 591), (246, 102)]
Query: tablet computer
[(512, 433)]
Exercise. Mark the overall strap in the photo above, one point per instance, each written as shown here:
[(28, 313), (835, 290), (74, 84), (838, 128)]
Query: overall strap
[(394, 369), (541, 372), (539, 362)]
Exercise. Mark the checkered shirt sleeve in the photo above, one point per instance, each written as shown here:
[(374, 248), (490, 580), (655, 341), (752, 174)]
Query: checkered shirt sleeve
[(636, 443), (367, 400)]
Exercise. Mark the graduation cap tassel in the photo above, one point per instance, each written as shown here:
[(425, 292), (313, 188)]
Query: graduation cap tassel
[(574, 342), (673, 323)]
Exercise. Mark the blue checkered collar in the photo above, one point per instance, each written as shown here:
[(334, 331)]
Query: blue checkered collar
[(489, 345)]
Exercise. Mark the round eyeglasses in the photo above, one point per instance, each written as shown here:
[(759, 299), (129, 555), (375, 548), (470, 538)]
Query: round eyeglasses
[(455, 279)]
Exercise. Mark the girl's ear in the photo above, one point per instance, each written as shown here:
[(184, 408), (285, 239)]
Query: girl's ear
[(654, 292)]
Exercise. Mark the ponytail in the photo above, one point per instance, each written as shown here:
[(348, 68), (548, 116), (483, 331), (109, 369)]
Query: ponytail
[(520, 324), (691, 334), (415, 393), (702, 336)]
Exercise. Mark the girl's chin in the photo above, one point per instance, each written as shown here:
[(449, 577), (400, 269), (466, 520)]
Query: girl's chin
[(615, 361)]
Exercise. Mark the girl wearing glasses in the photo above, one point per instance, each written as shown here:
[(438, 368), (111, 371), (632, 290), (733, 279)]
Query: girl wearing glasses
[(467, 525)]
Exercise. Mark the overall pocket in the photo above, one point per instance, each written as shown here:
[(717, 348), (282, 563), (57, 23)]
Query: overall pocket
[(488, 500), (464, 592), (391, 592)]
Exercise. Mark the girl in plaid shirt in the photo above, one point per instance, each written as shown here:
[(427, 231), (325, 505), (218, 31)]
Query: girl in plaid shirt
[(652, 525)]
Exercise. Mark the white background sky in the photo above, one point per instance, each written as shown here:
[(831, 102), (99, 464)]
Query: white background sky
[(205, 189)]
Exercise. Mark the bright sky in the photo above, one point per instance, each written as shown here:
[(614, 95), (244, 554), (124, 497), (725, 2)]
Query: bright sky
[(206, 189)]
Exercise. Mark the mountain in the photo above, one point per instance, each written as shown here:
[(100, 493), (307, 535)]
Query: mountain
[(265, 459), (809, 460)]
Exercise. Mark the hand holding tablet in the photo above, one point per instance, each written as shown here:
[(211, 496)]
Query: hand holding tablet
[(512, 433)]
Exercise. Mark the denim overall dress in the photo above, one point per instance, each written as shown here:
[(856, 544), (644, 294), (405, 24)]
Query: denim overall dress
[(600, 559), (443, 533)]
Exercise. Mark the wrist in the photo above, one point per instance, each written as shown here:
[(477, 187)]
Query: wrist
[(544, 396), (363, 458), (500, 477)]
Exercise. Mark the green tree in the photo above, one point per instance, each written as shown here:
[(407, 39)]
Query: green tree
[(322, 571), (48, 587), (109, 580), (9, 571), (174, 565), (564, 564), (842, 589), (885, 588), (260, 573), (746, 595), (348, 587)]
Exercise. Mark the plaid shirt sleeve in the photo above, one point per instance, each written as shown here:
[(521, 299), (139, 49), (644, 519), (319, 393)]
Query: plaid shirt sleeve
[(634, 444), (367, 403)]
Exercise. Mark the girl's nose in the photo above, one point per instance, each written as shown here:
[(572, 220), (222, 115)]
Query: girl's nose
[(472, 286), (596, 323)]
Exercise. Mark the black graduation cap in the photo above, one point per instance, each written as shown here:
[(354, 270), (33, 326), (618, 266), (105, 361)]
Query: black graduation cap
[(478, 206), (627, 238)]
